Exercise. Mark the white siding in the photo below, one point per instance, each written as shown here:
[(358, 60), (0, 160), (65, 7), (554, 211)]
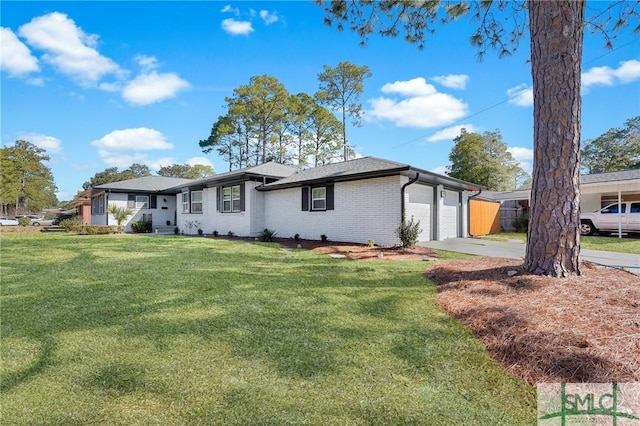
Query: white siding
[(419, 205), (363, 210), (159, 215), (247, 223)]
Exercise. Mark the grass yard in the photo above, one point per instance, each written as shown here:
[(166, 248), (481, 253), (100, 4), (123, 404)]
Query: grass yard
[(166, 330), (621, 245)]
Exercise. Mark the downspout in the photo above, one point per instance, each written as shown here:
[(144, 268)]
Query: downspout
[(402, 207)]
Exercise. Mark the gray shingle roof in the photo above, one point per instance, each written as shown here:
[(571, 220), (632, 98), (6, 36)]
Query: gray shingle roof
[(269, 170), (144, 184), (361, 168), (343, 169), (610, 177)]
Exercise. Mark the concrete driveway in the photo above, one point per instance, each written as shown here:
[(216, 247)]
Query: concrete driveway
[(515, 249)]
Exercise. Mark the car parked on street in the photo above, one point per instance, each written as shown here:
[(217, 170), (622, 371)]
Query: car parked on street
[(5, 221), (36, 220)]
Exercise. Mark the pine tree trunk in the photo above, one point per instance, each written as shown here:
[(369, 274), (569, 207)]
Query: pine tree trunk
[(553, 246)]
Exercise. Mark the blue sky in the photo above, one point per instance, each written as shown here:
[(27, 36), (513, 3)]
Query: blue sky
[(104, 84)]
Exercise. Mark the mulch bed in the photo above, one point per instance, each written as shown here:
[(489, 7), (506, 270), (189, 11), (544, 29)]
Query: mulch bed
[(581, 329)]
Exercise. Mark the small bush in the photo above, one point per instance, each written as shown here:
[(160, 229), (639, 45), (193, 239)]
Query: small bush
[(141, 227), (176, 230), (324, 238), (371, 242), (215, 233), (268, 235), (200, 231), (296, 237), (408, 232), (24, 221), (521, 223), (230, 234), (84, 229), (69, 225)]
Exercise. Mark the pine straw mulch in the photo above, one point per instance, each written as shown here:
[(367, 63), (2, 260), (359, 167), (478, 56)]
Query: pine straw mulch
[(581, 329), (541, 329)]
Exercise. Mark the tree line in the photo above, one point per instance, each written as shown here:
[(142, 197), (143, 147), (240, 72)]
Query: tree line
[(264, 122)]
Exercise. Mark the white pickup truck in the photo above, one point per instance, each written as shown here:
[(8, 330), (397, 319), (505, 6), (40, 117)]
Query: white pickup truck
[(612, 218)]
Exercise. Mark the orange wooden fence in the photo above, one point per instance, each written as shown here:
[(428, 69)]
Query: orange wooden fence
[(484, 217)]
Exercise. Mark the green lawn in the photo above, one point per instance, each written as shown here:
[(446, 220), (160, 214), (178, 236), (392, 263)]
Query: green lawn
[(166, 330), (620, 245)]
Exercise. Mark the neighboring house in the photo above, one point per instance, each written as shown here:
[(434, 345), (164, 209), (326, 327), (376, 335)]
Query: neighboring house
[(596, 191), (353, 201), (146, 197)]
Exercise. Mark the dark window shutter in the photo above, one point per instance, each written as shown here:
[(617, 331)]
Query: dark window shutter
[(305, 198), (218, 198), (329, 197), (153, 202), (131, 201), (242, 197)]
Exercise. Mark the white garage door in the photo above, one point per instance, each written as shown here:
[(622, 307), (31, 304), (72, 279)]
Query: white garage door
[(419, 205), (449, 216)]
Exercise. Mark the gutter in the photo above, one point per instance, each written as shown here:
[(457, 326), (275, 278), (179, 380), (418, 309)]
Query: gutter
[(402, 207)]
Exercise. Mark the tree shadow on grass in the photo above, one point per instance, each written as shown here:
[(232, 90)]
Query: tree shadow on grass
[(47, 348)]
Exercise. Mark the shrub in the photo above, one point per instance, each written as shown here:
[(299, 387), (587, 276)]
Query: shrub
[(296, 237), (84, 229), (215, 233), (141, 226), (521, 223), (230, 234), (200, 231), (176, 230), (324, 238), (268, 235), (371, 242), (69, 225), (408, 232), (24, 221)]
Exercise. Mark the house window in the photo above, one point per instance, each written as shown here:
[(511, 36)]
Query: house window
[(319, 198), (185, 202), (101, 204), (142, 202), (231, 197), (196, 201), (97, 205)]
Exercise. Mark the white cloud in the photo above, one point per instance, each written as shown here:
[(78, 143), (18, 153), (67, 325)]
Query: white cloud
[(452, 81), (423, 107), (68, 48), (194, 161), (524, 156), (146, 63), (229, 9), (122, 160), (15, 57), (268, 17), (140, 139), (153, 87), (627, 72), (415, 87), (233, 27), (521, 153), (521, 95), (49, 143), (451, 133)]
